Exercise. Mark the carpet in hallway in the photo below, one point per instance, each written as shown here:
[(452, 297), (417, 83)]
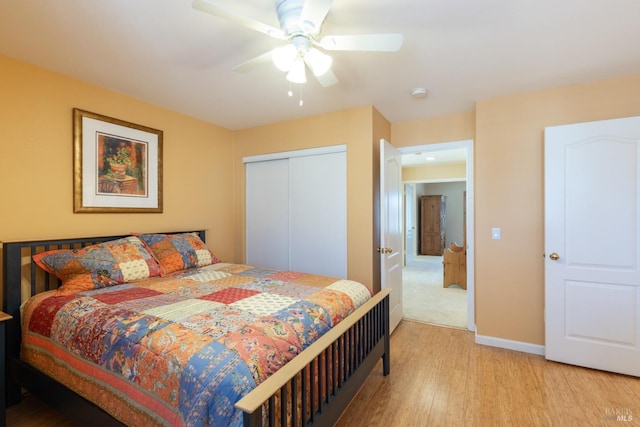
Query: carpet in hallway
[(424, 298)]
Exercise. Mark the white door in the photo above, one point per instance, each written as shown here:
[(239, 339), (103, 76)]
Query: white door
[(592, 244), (296, 211), (318, 214), (409, 223), (391, 228), (267, 213)]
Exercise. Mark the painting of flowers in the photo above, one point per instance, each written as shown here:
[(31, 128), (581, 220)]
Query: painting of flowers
[(117, 165), (122, 167)]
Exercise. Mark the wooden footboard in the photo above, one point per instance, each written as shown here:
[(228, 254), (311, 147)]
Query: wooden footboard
[(318, 384), (314, 388)]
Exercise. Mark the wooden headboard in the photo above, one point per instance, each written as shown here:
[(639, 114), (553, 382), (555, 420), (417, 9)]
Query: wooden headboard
[(22, 278)]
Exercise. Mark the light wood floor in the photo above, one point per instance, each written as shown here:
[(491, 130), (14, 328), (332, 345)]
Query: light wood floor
[(440, 377)]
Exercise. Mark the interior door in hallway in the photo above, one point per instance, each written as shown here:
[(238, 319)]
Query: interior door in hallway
[(432, 225), (592, 244)]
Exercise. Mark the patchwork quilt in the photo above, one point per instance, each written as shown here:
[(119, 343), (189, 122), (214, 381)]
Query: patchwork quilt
[(181, 350)]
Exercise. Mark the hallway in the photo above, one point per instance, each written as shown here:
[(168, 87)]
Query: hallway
[(424, 298)]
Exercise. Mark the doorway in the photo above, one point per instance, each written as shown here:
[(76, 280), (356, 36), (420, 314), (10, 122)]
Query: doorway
[(425, 297)]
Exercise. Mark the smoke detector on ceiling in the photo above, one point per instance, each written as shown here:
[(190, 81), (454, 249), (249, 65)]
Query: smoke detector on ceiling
[(419, 93)]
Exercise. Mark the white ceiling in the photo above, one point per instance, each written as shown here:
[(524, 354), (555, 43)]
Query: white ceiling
[(169, 54)]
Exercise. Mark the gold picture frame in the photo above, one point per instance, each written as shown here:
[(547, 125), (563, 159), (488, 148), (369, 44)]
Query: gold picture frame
[(117, 165)]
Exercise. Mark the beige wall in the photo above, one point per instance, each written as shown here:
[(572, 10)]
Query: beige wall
[(203, 172), (204, 175), (508, 176), (357, 128), (454, 127), (509, 172), (446, 171), (36, 166)]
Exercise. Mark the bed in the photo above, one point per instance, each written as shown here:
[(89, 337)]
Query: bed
[(295, 347)]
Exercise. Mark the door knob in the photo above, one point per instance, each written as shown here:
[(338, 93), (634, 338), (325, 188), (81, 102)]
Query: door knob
[(554, 256), (388, 250)]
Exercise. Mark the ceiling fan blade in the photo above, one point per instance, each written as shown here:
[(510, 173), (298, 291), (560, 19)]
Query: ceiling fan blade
[(253, 63), (364, 42), (313, 14), (327, 79), (230, 15)]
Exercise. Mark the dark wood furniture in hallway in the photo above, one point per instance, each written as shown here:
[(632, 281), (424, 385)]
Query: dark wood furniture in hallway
[(432, 224)]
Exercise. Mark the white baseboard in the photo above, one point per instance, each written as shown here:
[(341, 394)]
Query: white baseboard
[(510, 345)]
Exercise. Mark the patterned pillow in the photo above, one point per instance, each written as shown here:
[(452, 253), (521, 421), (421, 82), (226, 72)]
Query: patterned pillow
[(175, 252), (101, 265)]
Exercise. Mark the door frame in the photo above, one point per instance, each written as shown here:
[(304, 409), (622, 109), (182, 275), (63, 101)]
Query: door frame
[(409, 229), (468, 146)]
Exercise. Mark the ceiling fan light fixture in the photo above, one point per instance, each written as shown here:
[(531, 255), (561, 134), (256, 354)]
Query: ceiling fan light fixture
[(284, 57), (301, 23), (319, 62), (297, 72)]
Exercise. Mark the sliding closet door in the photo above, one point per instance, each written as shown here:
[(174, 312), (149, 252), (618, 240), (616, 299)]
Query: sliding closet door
[(297, 211), (318, 207), (267, 214)]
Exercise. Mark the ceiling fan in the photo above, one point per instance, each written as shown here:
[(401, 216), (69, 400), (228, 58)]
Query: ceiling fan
[(300, 26)]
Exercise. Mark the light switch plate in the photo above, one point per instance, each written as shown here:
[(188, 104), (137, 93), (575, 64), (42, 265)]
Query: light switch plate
[(495, 233)]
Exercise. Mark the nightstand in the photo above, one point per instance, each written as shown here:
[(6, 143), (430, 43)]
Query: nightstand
[(3, 373)]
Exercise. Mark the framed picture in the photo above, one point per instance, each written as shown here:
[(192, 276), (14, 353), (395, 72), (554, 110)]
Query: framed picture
[(117, 165)]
